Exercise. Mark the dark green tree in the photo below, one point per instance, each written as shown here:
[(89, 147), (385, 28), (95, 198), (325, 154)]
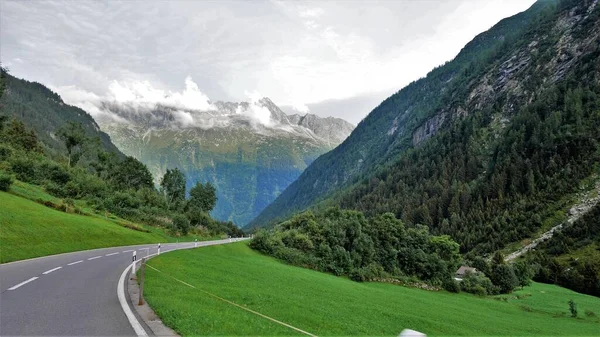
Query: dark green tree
[(173, 187), (203, 197), (181, 224), (18, 135), (503, 276), (131, 174), (73, 136)]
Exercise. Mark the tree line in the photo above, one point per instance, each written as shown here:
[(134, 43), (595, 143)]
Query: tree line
[(106, 181), (380, 248)]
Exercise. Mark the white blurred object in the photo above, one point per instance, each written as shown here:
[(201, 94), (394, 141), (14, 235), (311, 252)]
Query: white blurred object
[(411, 333)]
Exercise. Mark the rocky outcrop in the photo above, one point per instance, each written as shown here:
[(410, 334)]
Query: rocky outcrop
[(333, 130), (586, 202), (429, 129)]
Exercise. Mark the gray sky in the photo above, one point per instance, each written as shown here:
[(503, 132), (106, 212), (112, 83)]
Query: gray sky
[(338, 58)]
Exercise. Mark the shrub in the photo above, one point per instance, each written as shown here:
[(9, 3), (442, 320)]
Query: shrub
[(300, 241), (24, 169), (55, 173), (367, 273), (5, 182), (181, 224), (477, 284), (590, 313), (573, 308), (5, 152), (451, 285), (55, 189)]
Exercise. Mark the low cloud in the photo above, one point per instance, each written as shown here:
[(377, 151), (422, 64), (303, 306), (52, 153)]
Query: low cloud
[(143, 94), (139, 102), (301, 108)]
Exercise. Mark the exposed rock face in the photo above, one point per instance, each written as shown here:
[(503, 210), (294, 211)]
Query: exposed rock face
[(586, 203), (249, 151), (333, 130), (428, 129), (506, 78), (495, 75)]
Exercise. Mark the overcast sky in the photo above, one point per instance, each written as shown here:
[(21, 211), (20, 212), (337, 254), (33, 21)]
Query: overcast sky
[(337, 58)]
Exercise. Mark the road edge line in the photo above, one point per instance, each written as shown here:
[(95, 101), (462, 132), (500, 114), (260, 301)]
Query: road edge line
[(135, 324)]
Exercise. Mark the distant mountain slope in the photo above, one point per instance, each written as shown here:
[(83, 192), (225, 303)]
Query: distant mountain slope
[(389, 128), (249, 151), (485, 147), (44, 111)]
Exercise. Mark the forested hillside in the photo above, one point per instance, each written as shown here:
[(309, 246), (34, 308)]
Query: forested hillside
[(388, 129), (43, 110), (572, 257), (106, 183), (487, 147)]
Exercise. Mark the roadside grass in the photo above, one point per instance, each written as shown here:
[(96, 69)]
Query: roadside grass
[(324, 304), (29, 229)]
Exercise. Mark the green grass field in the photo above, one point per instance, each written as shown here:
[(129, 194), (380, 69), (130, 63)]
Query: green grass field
[(29, 229), (323, 304)]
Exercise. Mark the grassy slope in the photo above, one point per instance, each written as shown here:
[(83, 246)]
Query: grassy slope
[(29, 229), (327, 305)]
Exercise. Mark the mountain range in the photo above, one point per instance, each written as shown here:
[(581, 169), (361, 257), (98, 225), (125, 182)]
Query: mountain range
[(250, 151), (486, 148)]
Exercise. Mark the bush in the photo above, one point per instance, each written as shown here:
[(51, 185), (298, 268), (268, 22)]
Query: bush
[(24, 169), (451, 285), (573, 308), (55, 189), (54, 173), (503, 276), (590, 313), (478, 284), (181, 224), (5, 182), (5, 152), (368, 273)]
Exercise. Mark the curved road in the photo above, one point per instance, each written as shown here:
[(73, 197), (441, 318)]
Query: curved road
[(73, 294)]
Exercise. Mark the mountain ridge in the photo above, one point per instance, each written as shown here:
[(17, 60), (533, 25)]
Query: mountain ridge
[(250, 151), (477, 149)]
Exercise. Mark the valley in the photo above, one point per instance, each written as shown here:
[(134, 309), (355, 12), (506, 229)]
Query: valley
[(467, 203), (249, 163)]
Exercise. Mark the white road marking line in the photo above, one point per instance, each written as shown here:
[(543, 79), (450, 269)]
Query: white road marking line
[(135, 324), (51, 270), (127, 251), (22, 283), (76, 262), (95, 257), (112, 254)]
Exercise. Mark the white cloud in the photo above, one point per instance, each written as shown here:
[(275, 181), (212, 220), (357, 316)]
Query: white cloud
[(142, 93), (301, 107), (293, 52), (189, 108), (314, 12)]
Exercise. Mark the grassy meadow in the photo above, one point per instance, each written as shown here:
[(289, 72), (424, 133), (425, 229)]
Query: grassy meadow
[(29, 229), (323, 304)]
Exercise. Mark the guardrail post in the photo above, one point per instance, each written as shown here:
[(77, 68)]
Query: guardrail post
[(142, 273), (158, 249), (195, 243)]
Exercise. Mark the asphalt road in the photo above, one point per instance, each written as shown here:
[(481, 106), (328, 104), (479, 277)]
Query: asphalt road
[(72, 294)]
